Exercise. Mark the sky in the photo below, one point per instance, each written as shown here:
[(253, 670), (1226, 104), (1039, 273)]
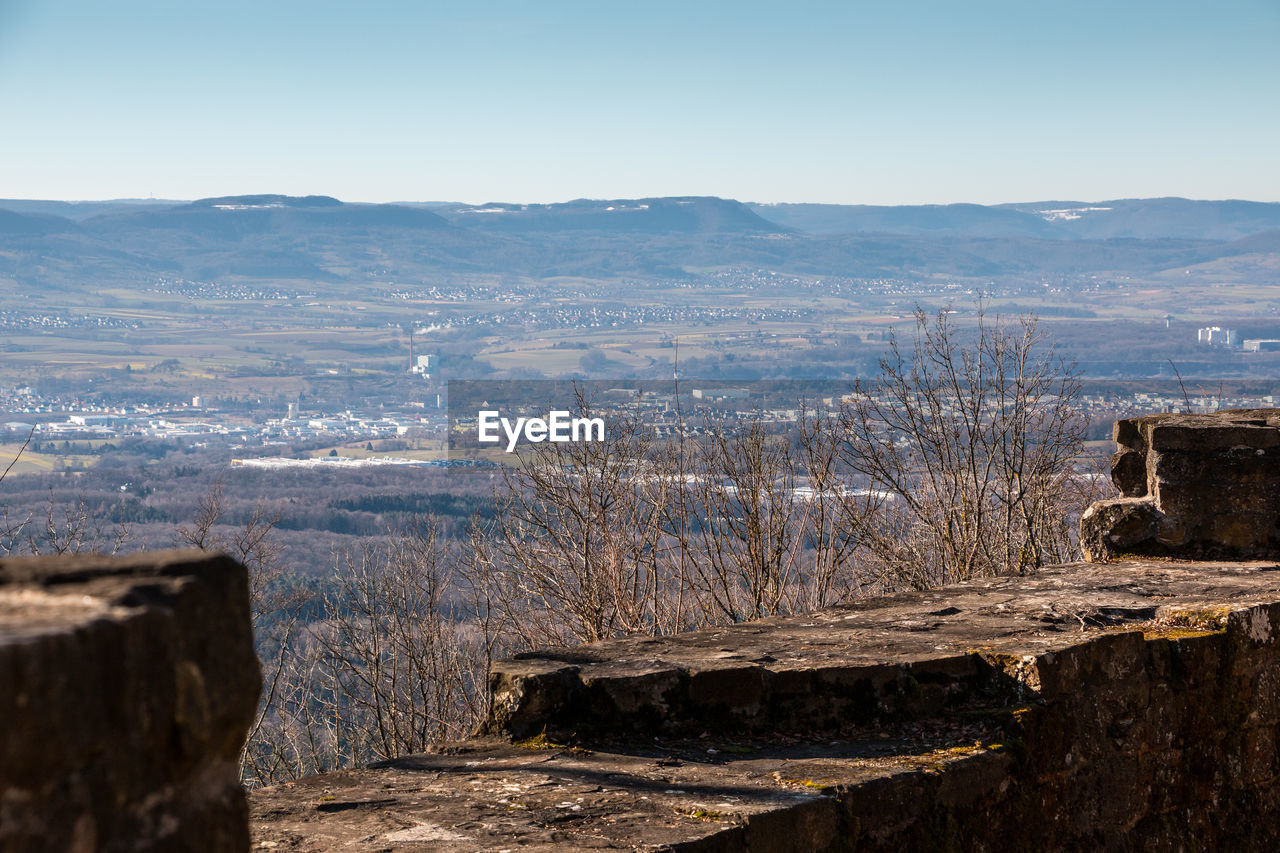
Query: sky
[(896, 102)]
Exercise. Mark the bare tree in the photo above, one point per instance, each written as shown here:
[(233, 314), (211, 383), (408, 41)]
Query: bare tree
[(490, 623), (744, 546), (634, 535), (63, 529), (386, 668), (11, 531), (829, 543), (395, 675), (963, 449), (573, 547)]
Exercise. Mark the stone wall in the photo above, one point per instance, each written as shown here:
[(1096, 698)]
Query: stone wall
[(126, 689), (1193, 486)]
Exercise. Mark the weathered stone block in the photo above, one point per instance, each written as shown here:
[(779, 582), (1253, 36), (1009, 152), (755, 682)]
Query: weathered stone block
[(1117, 526), (1129, 473), (1126, 434), (1213, 482), (1211, 434), (127, 687)]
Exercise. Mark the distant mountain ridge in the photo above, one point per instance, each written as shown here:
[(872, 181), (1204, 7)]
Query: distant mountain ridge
[(322, 239), (1055, 219), (245, 202), (950, 220), (687, 214), (1062, 220), (76, 210), (1146, 218), (238, 217)]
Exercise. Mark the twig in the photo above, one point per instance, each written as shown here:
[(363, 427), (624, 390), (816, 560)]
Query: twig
[(18, 455), (1185, 397)]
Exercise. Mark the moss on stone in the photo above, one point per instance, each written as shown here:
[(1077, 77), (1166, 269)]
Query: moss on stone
[(1189, 622), (537, 742), (824, 785), (705, 814)]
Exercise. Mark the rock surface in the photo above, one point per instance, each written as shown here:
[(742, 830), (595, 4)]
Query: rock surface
[(1091, 706), (1195, 486), (127, 686)]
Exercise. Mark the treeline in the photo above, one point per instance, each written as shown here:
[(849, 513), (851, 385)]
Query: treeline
[(148, 498), (434, 503)]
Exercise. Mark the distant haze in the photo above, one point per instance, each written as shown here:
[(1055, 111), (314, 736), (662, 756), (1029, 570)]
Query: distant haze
[(912, 102)]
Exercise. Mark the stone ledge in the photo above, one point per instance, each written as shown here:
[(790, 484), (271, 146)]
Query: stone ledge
[(1082, 707), (900, 657), (126, 688), (488, 795)]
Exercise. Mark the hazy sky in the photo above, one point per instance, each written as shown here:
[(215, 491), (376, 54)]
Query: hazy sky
[(891, 102)]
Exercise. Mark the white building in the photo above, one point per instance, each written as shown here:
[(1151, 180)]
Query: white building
[(1218, 336)]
